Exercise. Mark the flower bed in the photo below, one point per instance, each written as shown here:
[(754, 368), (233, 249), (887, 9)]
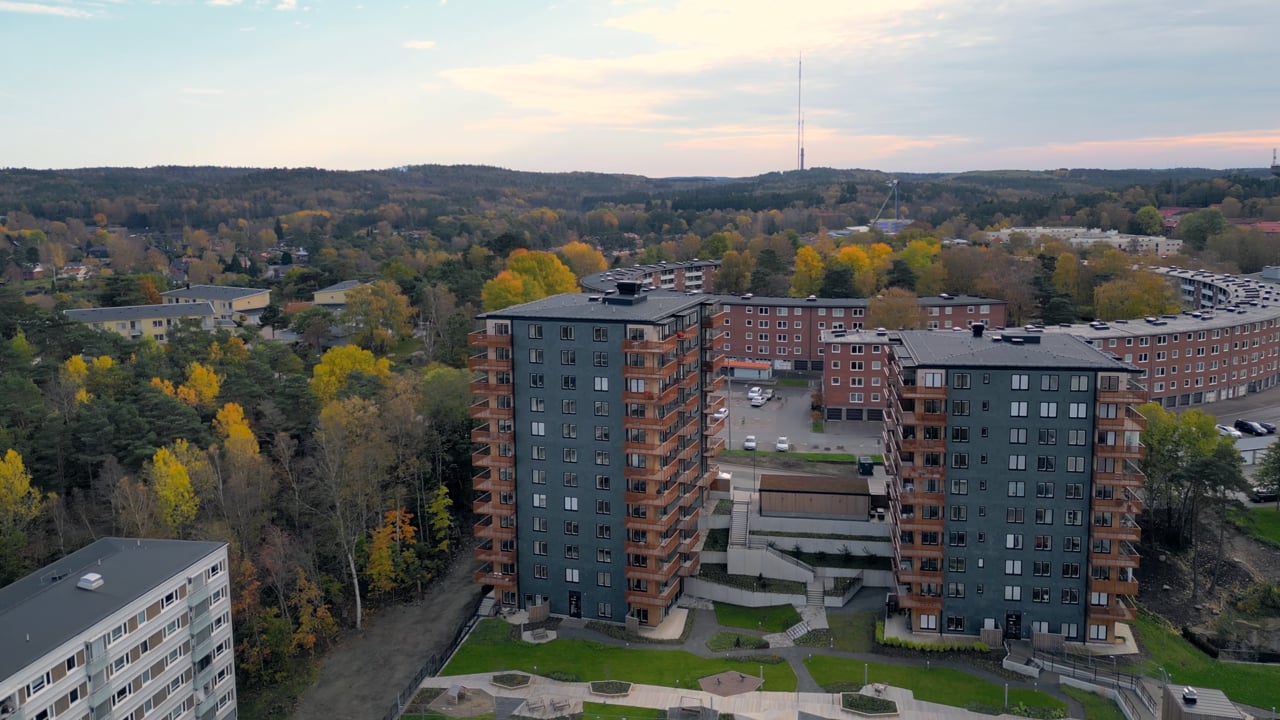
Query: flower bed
[(611, 688), (510, 681), (867, 705)]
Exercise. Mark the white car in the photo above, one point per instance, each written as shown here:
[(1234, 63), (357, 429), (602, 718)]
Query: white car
[(720, 414), (749, 442), (782, 445), (758, 401), (1227, 431), (755, 392)]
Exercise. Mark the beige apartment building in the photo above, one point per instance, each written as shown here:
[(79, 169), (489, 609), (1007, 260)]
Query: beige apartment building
[(151, 321), (238, 304)]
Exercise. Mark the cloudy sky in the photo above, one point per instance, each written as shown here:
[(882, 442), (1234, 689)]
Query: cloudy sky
[(657, 87)]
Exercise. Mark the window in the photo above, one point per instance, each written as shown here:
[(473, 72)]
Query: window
[(604, 531), (1072, 517), (599, 359), (1015, 515), (535, 331), (537, 380), (1075, 491), (1013, 541), (1017, 462), (1019, 381), (602, 457), (960, 381), (1098, 599), (604, 579), (537, 429), (1044, 542), (1079, 383), (571, 575), (959, 513), (568, 382), (1046, 463), (1017, 436), (1079, 410), (604, 555), (1048, 409), (1071, 570), (931, 378), (1071, 543), (602, 507), (539, 547), (535, 355), (539, 477), (569, 407), (1070, 596), (959, 407), (602, 482), (601, 384), (571, 503), (569, 455), (539, 500), (570, 527), (602, 433), (602, 409), (1013, 592), (1017, 488), (960, 460), (600, 334), (1040, 594), (1018, 409), (959, 487), (539, 524), (955, 590), (568, 357), (567, 332), (957, 538), (1049, 383)]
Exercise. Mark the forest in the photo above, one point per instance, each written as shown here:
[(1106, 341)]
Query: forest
[(336, 463)]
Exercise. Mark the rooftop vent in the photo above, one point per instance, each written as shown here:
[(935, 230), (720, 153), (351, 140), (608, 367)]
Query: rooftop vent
[(1189, 695), (978, 329), (811, 298), (89, 581)]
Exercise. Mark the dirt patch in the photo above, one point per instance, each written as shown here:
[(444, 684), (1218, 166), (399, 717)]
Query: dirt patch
[(470, 703), (361, 676)]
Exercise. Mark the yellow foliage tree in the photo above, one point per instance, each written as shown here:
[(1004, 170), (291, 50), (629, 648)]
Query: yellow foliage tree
[(388, 543), (237, 436), (1141, 294), (166, 386), (202, 386), (315, 622), (336, 366), (76, 370), (895, 308), (810, 270), (504, 290), (379, 314), (20, 502), (583, 259), (171, 484), (539, 274)]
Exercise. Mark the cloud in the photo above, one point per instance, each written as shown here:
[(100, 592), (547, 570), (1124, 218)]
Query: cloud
[(200, 91), (419, 44), (224, 3), (29, 8), (287, 5)]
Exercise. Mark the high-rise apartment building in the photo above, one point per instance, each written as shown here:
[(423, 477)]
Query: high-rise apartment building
[(596, 418), (121, 629), (1015, 485)]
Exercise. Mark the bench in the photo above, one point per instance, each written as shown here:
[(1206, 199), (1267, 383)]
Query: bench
[(538, 635)]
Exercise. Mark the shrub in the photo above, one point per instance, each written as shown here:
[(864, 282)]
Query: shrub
[(957, 646), (564, 676), (510, 680), (867, 704), (610, 687)]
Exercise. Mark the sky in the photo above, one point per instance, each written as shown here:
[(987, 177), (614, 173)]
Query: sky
[(652, 87)]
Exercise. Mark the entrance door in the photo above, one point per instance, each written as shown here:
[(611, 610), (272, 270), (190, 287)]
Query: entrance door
[(1013, 625), (575, 604)]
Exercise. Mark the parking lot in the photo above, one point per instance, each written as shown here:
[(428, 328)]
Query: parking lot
[(788, 415)]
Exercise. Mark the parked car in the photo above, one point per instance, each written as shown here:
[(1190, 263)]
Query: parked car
[(768, 395), (1230, 432), (1271, 429), (749, 442), (1261, 494), (721, 414), (758, 401), (1249, 427), (755, 391), (782, 445)]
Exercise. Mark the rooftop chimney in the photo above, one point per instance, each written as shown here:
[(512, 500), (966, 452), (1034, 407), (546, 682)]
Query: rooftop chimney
[(977, 329)]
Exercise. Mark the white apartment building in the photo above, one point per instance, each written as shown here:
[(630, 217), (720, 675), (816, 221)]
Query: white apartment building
[(123, 629)]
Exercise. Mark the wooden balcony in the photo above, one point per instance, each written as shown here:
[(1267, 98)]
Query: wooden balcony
[(919, 444), (652, 446), (659, 548), (920, 392), (487, 481), (916, 575), (714, 383), (1127, 394), (714, 445), (488, 528), (656, 573), (1117, 611), (648, 422), (483, 410), (653, 500), (926, 603), (481, 362), (485, 435), (1124, 479), (1126, 557), (652, 523), (500, 581), (917, 551), (917, 523), (482, 338), (713, 364), (660, 347), (1119, 451), (482, 386), (1125, 588), (1130, 533), (689, 567), (1118, 505), (654, 599), (485, 459), (490, 552)]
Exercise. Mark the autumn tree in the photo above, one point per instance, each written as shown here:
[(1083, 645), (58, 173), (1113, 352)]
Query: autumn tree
[(896, 309), (530, 275), (583, 259), (314, 621), (391, 556), (339, 364), (242, 482), (378, 313), (733, 277), (169, 480), (1147, 221), (1138, 295), (20, 504), (809, 272)]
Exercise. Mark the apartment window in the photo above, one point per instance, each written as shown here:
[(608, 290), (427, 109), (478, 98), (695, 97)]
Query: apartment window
[(539, 477), (600, 334), (601, 384), (1017, 436), (1079, 411), (539, 547), (955, 623), (571, 503), (569, 407), (537, 380), (571, 527), (1048, 436), (566, 332), (568, 357), (602, 409), (537, 429), (1044, 542), (1048, 409), (1075, 491), (604, 555), (1018, 409), (602, 507), (535, 331), (1072, 517), (602, 433), (959, 407), (568, 382), (1013, 592), (604, 531), (957, 538), (539, 524), (1044, 516), (1013, 541), (571, 575), (955, 590), (602, 482), (1075, 464), (1071, 543), (955, 564), (539, 500), (535, 355), (1015, 515), (604, 579), (1017, 462), (1070, 570), (1070, 596), (1046, 463), (569, 455), (599, 359), (602, 457), (1080, 383), (959, 487), (1019, 381), (1049, 383), (1040, 594), (960, 460), (1017, 488), (960, 381), (931, 378)]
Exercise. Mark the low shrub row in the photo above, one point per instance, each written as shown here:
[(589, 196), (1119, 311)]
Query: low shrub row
[(858, 702), (957, 646), (1021, 710)]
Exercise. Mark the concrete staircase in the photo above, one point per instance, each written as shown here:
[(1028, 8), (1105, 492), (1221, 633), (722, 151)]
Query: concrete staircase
[(815, 594), (738, 525), (798, 630)]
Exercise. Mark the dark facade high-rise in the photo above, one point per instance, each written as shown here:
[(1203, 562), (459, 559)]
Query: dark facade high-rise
[(1015, 488), (595, 413)]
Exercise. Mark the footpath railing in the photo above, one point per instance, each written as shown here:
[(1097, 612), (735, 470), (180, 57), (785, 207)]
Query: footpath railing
[(433, 664), (1085, 668)]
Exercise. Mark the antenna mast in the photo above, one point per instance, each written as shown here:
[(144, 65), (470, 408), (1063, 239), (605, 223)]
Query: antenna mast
[(800, 112)]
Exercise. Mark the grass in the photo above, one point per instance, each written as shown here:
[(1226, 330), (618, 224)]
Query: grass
[(724, 641), (1261, 522), (490, 648), (1096, 707), (718, 573), (772, 619), (938, 685), (840, 560), (1164, 647), (717, 540), (275, 702), (793, 382), (592, 711), (724, 506), (853, 633)]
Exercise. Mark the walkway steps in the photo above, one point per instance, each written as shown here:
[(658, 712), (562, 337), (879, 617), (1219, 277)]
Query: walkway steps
[(815, 594), (798, 630)]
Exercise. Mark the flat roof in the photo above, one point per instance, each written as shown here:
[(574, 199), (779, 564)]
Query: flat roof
[(1210, 702), (924, 348), (214, 292), (925, 301), (809, 484), (650, 306), (38, 614), (140, 312)]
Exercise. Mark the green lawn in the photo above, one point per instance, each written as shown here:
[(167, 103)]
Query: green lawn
[(793, 382), (490, 649), (854, 633), (725, 640), (600, 711), (1096, 707), (1164, 647), (938, 685), (1261, 522), (772, 619)]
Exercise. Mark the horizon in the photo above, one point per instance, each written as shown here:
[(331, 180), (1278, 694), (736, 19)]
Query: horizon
[(658, 88)]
